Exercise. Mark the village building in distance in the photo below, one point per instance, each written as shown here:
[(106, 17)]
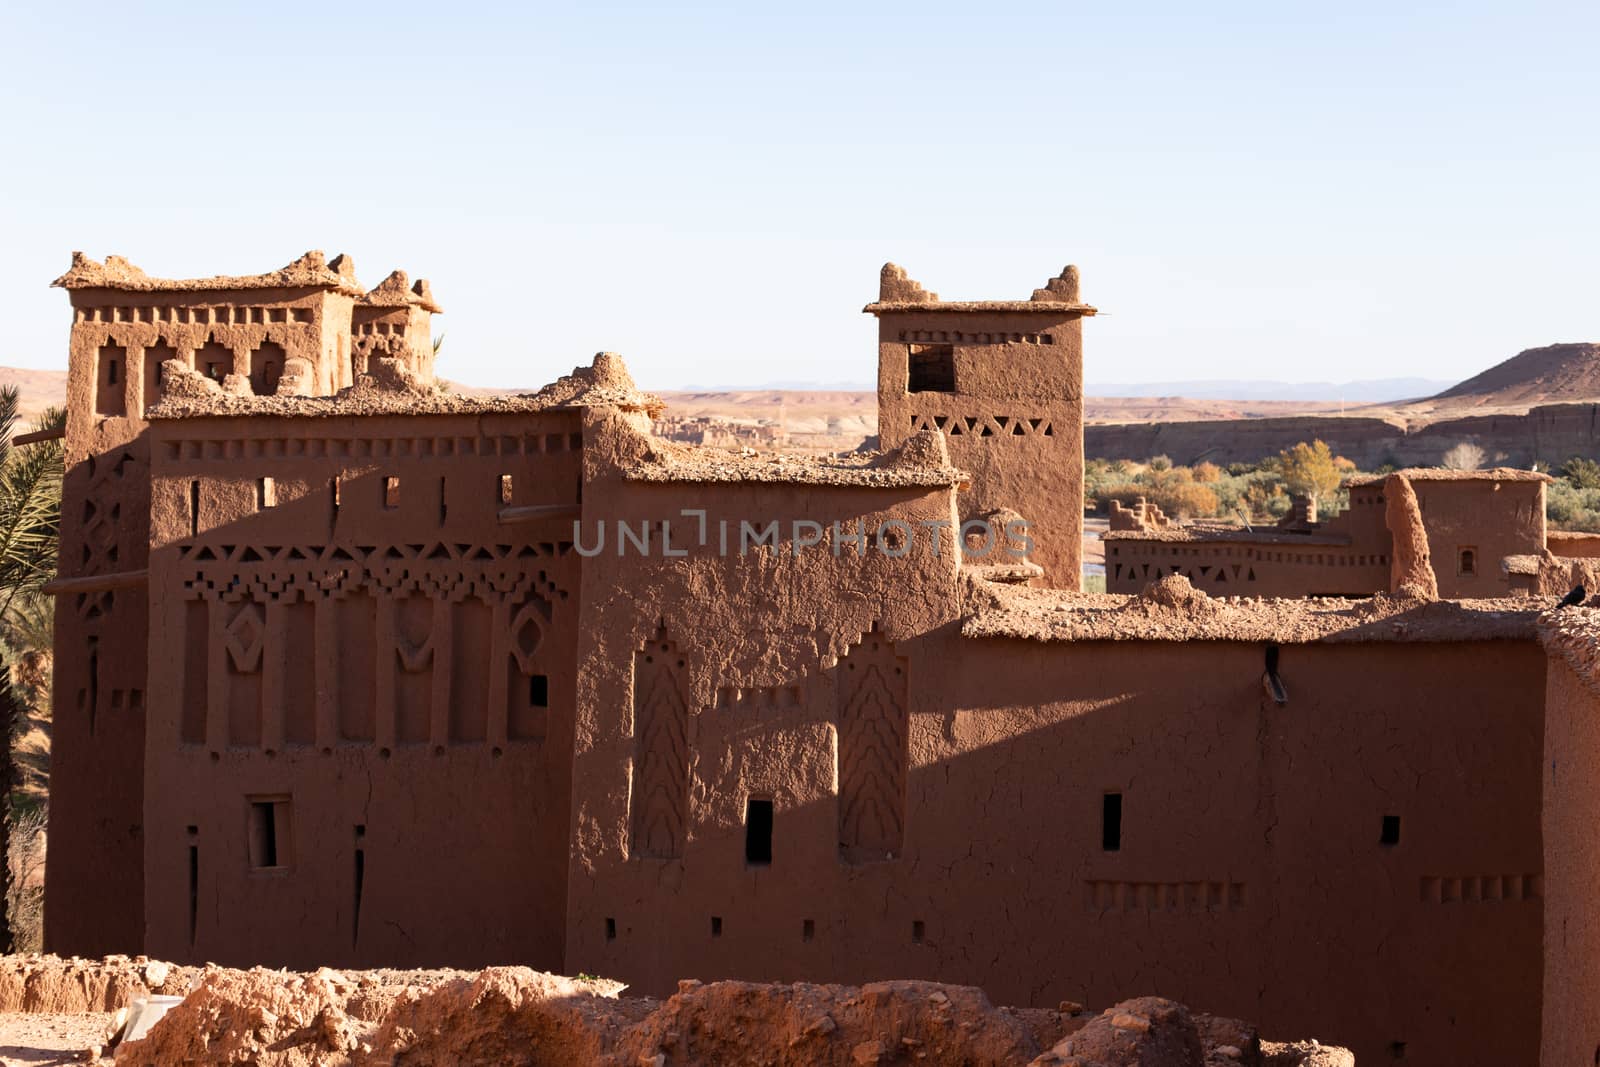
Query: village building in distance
[(1486, 537), (354, 671)]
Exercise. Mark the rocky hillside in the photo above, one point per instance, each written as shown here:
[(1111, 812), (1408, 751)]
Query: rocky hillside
[(1553, 374)]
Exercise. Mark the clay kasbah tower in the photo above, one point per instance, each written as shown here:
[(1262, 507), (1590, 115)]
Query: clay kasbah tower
[(352, 670)]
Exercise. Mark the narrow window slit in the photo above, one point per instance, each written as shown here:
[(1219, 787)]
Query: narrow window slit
[(1111, 822), (360, 884), (194, 881)]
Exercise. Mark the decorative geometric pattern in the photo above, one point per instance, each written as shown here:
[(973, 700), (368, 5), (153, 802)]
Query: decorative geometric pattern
[(243, 639), (873, 752), (660, 794), (1165, 896), (984, 425)]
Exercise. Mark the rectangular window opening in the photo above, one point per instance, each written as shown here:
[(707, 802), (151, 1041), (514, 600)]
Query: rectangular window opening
[(538, 691), (194, 508), (758, 833), (505, 489), (808, 930), (1467, 562), (269, 833), (1390, 834), (391, 491), (1111, 822), (919, 931), (930, 369), (611, 929), (716, 926), (266, 493)]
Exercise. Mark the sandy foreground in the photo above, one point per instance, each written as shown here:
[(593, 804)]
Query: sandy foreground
[(39, 1040)]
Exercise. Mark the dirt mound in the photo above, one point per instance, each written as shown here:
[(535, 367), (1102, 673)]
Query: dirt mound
[(52, 984), (509, 1015), (514, 1015), (1147, 1032), (802, 1024), (1550, 375)]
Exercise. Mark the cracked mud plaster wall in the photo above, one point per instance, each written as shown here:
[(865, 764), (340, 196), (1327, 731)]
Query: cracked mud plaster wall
[(1250, 877), (95, 867), (1041, 477), (378, 667), (1572, 862)]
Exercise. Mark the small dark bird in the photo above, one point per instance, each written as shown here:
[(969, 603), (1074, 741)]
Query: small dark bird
[(1574, 598)]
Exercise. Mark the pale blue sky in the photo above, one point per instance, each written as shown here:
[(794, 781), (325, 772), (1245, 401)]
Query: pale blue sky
[(1252, 190)]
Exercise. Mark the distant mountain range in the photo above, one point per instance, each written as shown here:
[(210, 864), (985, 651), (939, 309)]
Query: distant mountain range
[(1376, 390)]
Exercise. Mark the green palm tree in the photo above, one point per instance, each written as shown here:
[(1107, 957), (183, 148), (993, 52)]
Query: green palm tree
[(30, 520)]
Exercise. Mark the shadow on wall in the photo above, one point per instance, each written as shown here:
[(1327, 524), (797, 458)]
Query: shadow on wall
[(1162, 825)]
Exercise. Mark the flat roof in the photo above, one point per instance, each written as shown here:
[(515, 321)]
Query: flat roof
[(1440, 474), (1170, 611), (312, 270), (1052, 307), (1267, 535), (710, 465)]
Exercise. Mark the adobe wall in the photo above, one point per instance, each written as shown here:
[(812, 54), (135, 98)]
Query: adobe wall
[(1250, 876), (1491, 519), (709, 680), (1573, 544), (1553, 433), (1012, 411), (1347, 556), (118, 341), (387, 662), (1474, 521), (1285, 566), (1572, 853), (1015, 423)]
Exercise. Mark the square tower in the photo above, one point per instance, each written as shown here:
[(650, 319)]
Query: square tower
[(286, 331), (1003, 380), (396, 320)]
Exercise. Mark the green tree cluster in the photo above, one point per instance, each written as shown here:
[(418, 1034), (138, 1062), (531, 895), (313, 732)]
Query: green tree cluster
[(30, 520)]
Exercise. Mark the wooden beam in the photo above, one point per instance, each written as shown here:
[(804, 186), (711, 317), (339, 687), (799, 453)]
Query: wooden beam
[(97, 583)]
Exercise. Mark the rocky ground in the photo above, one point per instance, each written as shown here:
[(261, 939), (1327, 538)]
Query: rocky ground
[(56, 1010)]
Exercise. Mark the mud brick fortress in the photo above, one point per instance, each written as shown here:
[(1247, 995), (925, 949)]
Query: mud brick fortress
[(354, 671)]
